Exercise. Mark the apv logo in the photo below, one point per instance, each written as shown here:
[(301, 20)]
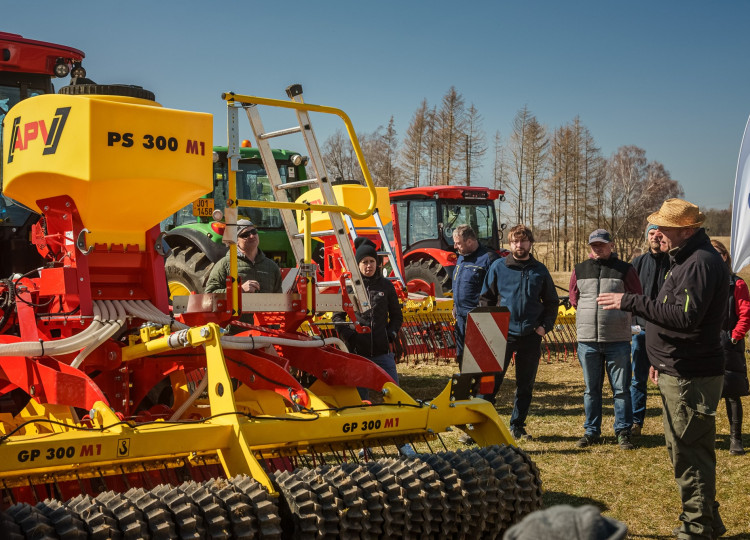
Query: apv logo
[(23, 134)]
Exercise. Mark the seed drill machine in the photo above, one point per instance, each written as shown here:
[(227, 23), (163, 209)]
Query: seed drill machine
[(122, 416)]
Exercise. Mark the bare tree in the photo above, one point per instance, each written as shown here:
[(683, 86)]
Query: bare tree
[(412, 151), (339, 157), (450, 124), (475, 145), (500, 172)]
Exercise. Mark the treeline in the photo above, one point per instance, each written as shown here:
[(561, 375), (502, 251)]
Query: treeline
[(557, 181)]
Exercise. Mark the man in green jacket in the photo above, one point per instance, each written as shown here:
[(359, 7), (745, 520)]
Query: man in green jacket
[(257, 272)]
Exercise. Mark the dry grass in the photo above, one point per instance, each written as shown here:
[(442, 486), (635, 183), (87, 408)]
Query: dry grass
[(636, 487)]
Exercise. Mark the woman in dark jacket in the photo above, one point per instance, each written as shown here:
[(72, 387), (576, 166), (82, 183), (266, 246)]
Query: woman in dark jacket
[(736, 326), (384, 318)]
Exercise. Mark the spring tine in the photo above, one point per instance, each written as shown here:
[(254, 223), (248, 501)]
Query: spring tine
[(33, 491), (441, 442), (8, 495)]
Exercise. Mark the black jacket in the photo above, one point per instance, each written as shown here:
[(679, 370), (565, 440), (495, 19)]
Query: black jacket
[(652, 270), (384, 318), (685, 321)]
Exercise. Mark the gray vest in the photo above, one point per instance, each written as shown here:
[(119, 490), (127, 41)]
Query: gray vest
[(593, 323)]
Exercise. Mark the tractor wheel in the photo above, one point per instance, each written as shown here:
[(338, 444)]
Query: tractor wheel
[(187, 270), (127, 90), (426, 271)]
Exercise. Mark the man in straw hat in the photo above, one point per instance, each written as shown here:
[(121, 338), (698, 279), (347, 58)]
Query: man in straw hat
[(683, 325)]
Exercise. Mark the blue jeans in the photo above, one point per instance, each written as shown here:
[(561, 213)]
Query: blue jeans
[(638, 389), (388, 363), (594, 357)]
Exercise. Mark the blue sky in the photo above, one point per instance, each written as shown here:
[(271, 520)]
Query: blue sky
[(671, 77)]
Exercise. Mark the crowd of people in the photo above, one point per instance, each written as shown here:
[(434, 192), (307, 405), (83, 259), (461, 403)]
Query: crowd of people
[(675, 315)]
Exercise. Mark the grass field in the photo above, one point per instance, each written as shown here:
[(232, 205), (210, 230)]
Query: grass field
[(637, 486)]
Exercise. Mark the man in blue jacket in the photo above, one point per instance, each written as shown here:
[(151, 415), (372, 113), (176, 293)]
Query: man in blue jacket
[(468, 276), (523, 285)]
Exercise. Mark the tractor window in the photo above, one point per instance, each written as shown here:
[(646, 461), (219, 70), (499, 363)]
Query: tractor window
[(252, 184), (402, 208), (480, 217), (422, 221)]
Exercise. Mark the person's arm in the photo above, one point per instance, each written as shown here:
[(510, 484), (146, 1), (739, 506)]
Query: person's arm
[(489, 295), (276, 280), (217, 279), (686, 310), (395, 315), (742, 307), (573, 292), (344, 330), (550, 302)]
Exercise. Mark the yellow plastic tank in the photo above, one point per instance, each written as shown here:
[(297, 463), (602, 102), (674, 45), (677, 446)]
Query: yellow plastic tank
[(128, 163), (354, 196)]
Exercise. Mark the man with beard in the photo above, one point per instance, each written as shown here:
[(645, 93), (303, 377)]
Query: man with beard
[(523, 285), (652, 268)]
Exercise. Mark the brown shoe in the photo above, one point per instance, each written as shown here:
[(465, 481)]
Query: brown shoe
[(635, 431)]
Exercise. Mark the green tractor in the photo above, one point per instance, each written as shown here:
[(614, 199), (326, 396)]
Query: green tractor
[(194, 237)]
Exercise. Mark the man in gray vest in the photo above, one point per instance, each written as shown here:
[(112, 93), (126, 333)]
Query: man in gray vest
[(603, 337)]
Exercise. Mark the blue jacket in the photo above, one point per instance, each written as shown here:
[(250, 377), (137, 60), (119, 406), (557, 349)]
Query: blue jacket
[(526, 289), (468, 277)]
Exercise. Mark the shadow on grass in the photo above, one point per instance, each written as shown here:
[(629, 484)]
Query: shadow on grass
[(552, 498)]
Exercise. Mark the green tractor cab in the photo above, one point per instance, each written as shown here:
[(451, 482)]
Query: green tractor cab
[(194, 237)]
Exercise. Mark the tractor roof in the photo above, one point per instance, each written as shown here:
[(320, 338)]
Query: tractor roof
[(447, 192), (23, 55)]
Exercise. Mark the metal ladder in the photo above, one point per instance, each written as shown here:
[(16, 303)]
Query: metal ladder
[(387, 249), (321, 180)]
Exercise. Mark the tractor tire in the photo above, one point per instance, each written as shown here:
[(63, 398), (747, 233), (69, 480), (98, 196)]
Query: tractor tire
[(429, 271), (126, 90), (187, 270)]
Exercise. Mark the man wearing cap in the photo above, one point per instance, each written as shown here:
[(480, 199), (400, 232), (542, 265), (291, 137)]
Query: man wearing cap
[(683, 328), (603, 337), (652, 268), (257, 272)]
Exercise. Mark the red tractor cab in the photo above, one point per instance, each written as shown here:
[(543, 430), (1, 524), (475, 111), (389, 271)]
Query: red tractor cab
[(27, 68), (426, 217)]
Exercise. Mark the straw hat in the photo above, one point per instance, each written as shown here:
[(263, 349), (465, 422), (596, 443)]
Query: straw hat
[(677, 213)]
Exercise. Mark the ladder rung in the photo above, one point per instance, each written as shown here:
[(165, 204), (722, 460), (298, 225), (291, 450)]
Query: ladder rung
[(330, 283), (315, 234), (279, 133), (368, 229), (298, 183)]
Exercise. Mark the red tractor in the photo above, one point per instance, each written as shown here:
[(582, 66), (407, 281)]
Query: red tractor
[(426, 218), (27, 68)]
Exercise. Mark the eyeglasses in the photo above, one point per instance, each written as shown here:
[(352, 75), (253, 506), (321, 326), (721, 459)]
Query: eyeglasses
[(251, 232)]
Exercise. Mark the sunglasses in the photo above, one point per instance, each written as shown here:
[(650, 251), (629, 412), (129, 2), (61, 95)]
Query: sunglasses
[(251, 232)]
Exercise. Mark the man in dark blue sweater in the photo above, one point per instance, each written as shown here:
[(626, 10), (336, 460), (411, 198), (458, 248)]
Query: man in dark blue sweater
[(523, 285), (468, 276)]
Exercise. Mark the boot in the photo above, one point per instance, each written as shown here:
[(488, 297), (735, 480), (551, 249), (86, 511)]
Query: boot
[(734, 412), (735, 439)]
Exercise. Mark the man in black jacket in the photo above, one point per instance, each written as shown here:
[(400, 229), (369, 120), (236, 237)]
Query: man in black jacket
[(652, 269), (682, 338)]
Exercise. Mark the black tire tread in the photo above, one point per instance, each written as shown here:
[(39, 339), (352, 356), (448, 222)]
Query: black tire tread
[(127, 90)]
